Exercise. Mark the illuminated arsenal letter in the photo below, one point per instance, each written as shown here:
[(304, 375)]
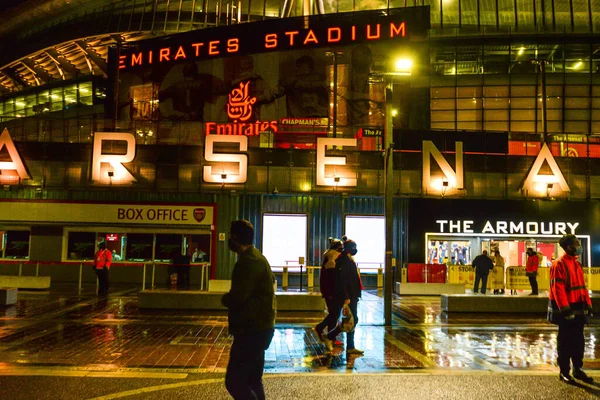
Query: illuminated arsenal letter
[(116, 161), (455, 178), (15, 163), (534, 176), (225, 176), (323, 160)]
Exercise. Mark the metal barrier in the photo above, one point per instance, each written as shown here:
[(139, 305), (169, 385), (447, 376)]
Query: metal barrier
[(310, 275)]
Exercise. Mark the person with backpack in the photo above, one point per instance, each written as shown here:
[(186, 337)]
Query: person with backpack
[(102, 263), (348, 289), (327, 284), (570, 308)]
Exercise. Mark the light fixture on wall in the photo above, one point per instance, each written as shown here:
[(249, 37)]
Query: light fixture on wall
[(336, 179), (111, 174), (444, 187)]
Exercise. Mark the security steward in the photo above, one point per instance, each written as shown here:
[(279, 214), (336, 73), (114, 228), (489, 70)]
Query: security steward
[(102, 263), (570, 308)]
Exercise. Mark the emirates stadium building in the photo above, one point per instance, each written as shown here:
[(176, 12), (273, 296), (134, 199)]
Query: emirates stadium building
[(152, 124)]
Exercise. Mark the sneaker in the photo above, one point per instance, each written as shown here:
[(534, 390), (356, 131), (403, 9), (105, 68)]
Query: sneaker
[(328, 344), (355, 351), (582, 376), (566, 378), (337, 343), (318, 332)]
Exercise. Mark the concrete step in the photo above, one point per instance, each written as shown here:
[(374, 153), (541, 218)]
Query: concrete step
[(198, 300), (477, 303), (25, 282)]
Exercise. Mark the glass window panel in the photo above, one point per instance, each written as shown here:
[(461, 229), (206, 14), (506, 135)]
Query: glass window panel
[(115, 243), (369, 234), (86, 93), (596, 103), (576, 102), (552, 102), (81, 246), (522, 91), (470, 125), (487, 13), (167, 247), (554, 90), (576, 126), (554, 115), (554, 126), (562, 14), (199, 246), (496, 126), (581, 15), (495, 115), (450, 13), (139, 247), (506, 12), (469, 104), (595, 14), (525, 13), (439, 116), (522, 126), (577, 115), (470, 91), (498, 103), (577, 90), (443, 93), (522, 115), (442, 104), (17, 244), (442, 125), (522, 103), (469, 12), (495, 91), (474, 115)]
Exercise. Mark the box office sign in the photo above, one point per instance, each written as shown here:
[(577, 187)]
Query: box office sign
[(113, 214), (276, 35)]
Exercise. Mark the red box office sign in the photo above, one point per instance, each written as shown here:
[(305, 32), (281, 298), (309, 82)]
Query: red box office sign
[(276, 35)]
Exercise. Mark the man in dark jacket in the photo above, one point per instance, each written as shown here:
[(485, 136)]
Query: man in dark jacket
[(483, 265), (348, 289), (252, 307), (327, 284)]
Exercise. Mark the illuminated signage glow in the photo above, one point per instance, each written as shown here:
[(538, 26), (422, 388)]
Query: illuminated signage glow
[(226, 176), (100, 172), (454, 179), (239, 110), (509, 227), (323, 160), (545, 183), (15, 163)]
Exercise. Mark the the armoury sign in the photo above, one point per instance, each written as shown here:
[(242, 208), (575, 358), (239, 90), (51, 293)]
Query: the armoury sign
[(276, 35), (111, 165), (507, 227)]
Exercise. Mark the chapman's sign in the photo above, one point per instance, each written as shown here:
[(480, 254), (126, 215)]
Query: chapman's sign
[(276, 35), (507, 227), (108, 168)]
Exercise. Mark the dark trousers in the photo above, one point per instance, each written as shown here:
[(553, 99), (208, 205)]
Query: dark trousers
[(336, 331), (183, 276), (483, 278), (102, 275), (329, 321), (533, 284), (243, 379), (570, 344)]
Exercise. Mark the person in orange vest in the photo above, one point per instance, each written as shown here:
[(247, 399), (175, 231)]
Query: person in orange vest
[(570, 308), (102, 262), (531, 270)]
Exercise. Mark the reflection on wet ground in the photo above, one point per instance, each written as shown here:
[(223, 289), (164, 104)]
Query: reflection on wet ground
[(63, 328)]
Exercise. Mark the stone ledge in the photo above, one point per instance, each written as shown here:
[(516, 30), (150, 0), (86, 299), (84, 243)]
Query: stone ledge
[(429, 289), (25, 282), (197, 300), (474, 303)]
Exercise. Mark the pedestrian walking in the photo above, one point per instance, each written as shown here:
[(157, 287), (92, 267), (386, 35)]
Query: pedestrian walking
[(570, 308), (348, 290), (102, 263), (499, 263), (251, 305), (482, 265), (531, 270), (327, 285)]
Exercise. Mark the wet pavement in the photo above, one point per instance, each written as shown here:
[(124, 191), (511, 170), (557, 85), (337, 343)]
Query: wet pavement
[(63, 336)]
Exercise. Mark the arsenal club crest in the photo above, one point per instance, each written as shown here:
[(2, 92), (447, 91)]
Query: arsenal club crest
[(199, 214)]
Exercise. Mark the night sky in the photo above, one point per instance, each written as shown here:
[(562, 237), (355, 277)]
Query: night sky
[(8, 4)]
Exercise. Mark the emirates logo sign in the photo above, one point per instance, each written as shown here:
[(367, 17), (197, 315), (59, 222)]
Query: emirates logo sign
[(240, 110)]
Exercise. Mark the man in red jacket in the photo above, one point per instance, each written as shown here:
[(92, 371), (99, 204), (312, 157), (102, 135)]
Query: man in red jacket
[(570, 308), (102, 262)]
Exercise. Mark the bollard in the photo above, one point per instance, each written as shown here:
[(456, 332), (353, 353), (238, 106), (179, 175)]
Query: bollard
[(284, 278), (20, 268), (37, 269), (153, 269), (379, 278), (144, 277), (310, 276), (80, 276)]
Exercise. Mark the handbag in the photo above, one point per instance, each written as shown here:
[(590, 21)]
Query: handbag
[(346, 320)]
